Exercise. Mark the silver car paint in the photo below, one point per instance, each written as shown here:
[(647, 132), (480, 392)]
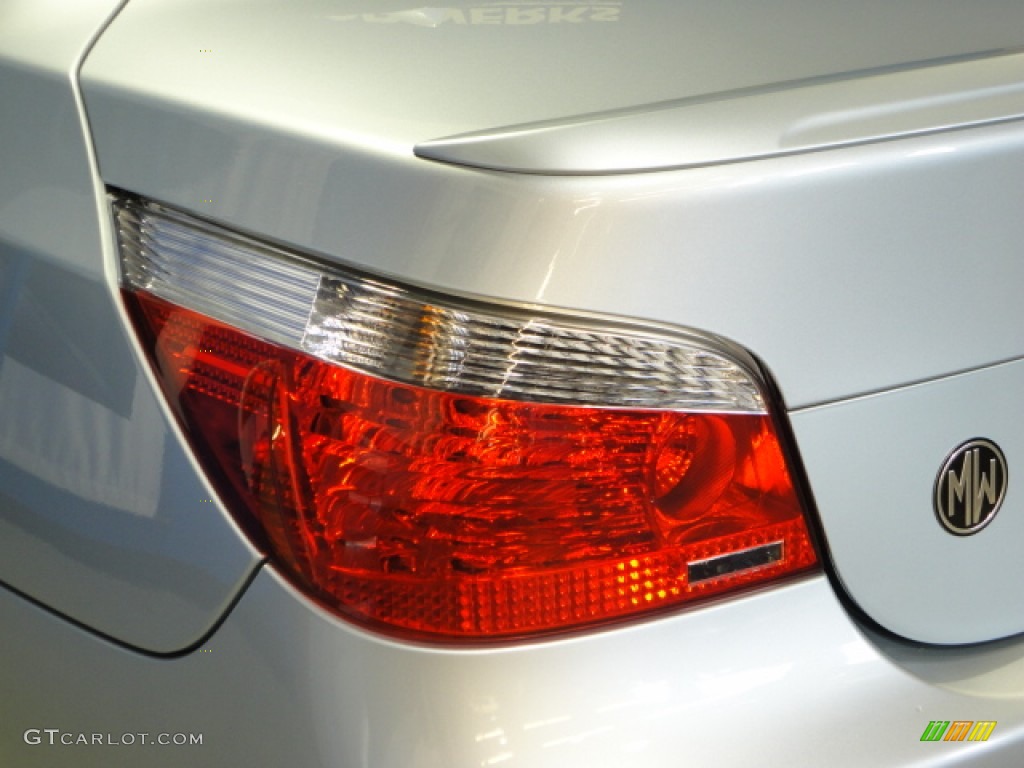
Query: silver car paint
[(375, 73), (752, 123), (849, 271), (778, 678), (783, 676), (103, 515), (872, 463), (809, 261)]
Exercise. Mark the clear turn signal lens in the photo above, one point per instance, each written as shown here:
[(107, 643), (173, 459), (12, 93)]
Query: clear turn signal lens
[(441, 468)]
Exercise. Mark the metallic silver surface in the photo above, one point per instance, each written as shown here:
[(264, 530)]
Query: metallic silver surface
[(810, 261), (103, 515), (879, 283), (387, 74), (405, 335), (780, 673), (871, 464), (778, 119)]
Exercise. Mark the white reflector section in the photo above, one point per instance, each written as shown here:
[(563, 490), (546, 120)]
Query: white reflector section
[(232, 278), (370, 326), (422, 338)]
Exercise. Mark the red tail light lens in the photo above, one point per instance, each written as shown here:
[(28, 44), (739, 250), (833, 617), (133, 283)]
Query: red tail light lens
[(439, 511)]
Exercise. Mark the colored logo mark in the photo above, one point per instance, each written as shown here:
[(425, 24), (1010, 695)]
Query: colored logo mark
[(958, 730)]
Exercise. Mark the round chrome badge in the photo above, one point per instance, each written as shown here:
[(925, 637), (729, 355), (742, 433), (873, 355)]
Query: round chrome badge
[(970, 487)]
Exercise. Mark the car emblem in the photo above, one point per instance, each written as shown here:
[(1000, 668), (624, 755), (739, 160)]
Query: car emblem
[(970, 487)]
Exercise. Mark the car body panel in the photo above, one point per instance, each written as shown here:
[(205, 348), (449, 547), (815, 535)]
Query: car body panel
[(779, 677), (816, 254), (872, 464), (103, 515), (388, 75), (849, 271), (877, 284), (802, 116)]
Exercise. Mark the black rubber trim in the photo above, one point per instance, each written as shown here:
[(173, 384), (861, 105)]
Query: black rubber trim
[(802, 486), (188, 649)]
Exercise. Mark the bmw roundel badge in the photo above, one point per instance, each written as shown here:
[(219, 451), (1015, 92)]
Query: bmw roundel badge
[(970, 487)]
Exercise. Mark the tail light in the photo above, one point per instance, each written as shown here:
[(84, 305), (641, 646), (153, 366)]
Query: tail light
[(450, 469)]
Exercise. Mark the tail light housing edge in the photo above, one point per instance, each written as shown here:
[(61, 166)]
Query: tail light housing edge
[(446, 469)]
